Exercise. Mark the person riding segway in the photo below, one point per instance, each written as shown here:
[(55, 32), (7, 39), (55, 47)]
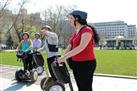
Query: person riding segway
[(25, 53), (52, 83), (37, 57)]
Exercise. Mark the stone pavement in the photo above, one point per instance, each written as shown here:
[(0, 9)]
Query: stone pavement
[(8, 82)]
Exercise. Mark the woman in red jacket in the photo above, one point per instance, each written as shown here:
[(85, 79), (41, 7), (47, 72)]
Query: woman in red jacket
[(81, 50)]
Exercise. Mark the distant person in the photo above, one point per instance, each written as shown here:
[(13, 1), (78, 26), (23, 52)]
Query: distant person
[(37, 41), (50, 45), (81, 51)]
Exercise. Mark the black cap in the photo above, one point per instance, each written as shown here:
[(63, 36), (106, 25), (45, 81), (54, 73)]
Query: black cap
[(82, 14)]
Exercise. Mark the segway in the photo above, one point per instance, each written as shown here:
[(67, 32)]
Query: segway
[(25, 75), (30, 76), (62, 75), (38, 62)]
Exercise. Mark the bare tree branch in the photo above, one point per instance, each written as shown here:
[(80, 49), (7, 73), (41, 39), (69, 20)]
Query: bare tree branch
[(17, 16), (56, 18), (4, 6)]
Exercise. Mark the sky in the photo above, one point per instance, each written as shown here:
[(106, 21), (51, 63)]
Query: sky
[(98, 10)]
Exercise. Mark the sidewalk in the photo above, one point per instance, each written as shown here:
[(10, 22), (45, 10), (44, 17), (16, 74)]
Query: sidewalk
[(8, 82), (13, 85)]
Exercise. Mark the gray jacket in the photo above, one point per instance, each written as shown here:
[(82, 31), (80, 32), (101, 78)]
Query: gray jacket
[(52, 38)]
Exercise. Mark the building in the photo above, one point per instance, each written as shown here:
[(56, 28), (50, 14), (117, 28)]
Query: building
[(132, 31), (117, 34), (116, 28)]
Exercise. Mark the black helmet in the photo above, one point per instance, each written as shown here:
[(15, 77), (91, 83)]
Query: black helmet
[(25, 33), (82, 14)]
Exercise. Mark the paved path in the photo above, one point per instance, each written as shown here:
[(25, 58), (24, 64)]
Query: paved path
[(8, 82)]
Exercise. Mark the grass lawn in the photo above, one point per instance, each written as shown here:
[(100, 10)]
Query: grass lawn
[(116, 62), (9, 58)]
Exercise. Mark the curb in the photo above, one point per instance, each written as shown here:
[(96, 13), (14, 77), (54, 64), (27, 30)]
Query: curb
[(116, 76)]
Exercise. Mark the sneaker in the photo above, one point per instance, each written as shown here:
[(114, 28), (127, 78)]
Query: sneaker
[(27, 73)]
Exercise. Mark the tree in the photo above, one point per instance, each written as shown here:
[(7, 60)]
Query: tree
[(20, 29), (3, 5), (16, 18), (16, 23), (8, 20), (9, 41), (0, 36), (3, 14), (57, 19)]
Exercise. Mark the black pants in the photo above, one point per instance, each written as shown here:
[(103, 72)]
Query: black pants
[(28, 62), (49, 61), (83, 74)]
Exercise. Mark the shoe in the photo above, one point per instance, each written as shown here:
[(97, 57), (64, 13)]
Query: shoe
[(27, 73)]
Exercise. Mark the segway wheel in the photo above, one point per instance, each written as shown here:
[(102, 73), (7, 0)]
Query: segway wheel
[(51, 85), (42, 83), (33, 76), (40, 70), (18, 75), (55, 86)]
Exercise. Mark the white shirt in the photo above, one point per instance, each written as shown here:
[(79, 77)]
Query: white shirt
[(37, 43)]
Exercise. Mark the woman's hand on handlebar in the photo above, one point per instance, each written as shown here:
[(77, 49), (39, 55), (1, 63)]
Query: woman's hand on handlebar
[(61, 59)]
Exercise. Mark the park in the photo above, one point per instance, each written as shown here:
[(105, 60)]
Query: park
[(117, 66), (114, 44)]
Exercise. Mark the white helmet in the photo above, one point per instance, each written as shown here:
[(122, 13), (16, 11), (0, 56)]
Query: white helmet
[(47, 26), (37, 34)]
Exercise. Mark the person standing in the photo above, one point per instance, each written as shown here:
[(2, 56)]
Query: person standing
[(81, 51), (51, 46)]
